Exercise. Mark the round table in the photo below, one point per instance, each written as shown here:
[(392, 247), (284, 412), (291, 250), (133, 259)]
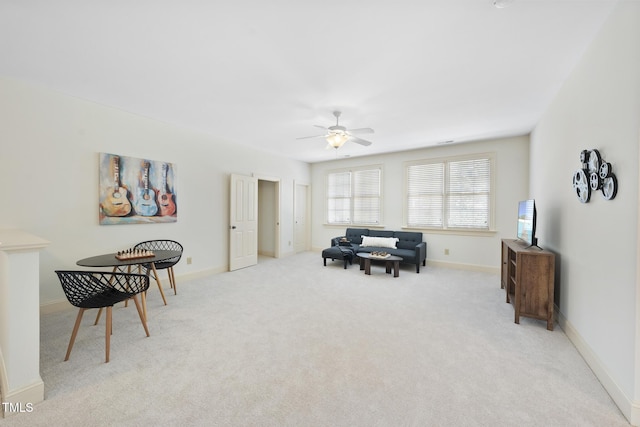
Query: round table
[(110, 260)]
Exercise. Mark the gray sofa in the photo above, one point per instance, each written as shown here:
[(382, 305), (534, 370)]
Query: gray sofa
[(410, 246)]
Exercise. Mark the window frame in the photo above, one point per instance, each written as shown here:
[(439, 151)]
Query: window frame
[(446, 161), (353, 195)]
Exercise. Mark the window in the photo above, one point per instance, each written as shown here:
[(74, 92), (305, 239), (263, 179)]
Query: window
[(450, 193), (354, 196)]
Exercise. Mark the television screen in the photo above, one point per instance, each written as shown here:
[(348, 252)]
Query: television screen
[(527, 222)]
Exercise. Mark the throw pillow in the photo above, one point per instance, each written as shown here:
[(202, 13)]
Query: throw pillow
[(379, 242)]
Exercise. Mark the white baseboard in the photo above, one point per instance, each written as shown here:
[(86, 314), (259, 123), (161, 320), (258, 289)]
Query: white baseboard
[(23, 399), (629, 408), (55, 306), (462, 266), (202, 273)]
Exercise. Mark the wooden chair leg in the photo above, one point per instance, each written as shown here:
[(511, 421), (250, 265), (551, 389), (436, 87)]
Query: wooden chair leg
[(126, 303), (172, 279), (108, 333), (143, 318), (74, 333), (98, 316)]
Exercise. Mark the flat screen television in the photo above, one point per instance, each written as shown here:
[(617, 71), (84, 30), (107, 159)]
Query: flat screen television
[(527, 222)]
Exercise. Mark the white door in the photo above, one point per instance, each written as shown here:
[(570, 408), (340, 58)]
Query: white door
[(243, 230), (301, 223)]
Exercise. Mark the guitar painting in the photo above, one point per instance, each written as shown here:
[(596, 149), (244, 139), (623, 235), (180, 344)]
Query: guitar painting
[(134, 190), (116, 203), (165, 198), (146, 200)]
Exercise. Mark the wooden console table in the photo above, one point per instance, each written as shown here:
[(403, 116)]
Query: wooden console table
[(527, 276)]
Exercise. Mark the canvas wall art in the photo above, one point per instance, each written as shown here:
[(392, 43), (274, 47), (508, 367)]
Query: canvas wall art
[(137, 191)]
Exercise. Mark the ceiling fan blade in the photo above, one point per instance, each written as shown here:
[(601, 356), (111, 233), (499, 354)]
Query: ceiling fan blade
[(321, 127), (314, 136), (361, 130), (359, 141)]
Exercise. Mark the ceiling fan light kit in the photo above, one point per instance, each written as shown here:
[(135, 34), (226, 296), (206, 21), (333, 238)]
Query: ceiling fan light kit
[(338, 135), (337, 139)]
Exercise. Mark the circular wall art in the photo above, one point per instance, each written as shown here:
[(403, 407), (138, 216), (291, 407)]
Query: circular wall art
[(581, 186), (595, 174)]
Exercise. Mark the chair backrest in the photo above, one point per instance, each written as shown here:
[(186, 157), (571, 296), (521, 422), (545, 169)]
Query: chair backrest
[(95, 289), (162, 245)]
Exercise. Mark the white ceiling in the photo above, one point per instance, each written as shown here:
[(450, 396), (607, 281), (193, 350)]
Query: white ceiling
[(262, 73)]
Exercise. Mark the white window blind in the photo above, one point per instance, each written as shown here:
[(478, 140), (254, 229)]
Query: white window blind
[(354, 197), (366, 196), (339, 198), (469, 191), (426, 195), (449, 194)]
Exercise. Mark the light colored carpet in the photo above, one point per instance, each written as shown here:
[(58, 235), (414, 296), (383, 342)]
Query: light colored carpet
[(292, 343)]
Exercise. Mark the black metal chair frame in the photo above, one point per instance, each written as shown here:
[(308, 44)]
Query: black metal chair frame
[(99, 289), (163, 244)]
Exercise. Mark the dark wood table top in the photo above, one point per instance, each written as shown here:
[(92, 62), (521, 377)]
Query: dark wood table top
[(110, 260), (367, 255)]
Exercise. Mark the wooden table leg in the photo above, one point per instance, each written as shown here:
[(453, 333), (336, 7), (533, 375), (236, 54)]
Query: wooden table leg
[(396, 268), (367, 266), (115, 269)]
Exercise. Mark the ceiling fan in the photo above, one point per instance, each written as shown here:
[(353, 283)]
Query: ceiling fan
[(337, 135)]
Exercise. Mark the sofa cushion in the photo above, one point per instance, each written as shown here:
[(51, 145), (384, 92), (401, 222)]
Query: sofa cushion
[(381, 233), (380, 242), (408, 255), (354, 235), (408, 239), (338, 252)]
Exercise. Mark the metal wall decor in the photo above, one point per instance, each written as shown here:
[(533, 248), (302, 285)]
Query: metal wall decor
[(595, 174)]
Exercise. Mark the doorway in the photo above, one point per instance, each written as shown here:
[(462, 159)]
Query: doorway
[(254, 214), (268, 218)]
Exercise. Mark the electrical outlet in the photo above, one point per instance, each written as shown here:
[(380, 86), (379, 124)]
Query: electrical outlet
[(189, 260), (446, 251)]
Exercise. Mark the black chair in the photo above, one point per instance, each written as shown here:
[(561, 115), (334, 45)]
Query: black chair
[(163, 245), (90, 289)]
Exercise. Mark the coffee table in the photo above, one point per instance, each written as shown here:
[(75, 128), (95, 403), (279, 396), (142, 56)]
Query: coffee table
[(390, 261)]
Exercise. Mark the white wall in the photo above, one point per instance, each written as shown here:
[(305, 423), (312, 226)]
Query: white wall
[(598, 107), (49, 150), (472, 251)]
